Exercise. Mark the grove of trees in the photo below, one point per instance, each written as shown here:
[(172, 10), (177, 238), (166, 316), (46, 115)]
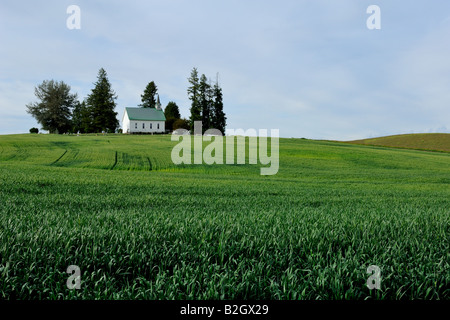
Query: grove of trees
[(59, 111), (206, 103)]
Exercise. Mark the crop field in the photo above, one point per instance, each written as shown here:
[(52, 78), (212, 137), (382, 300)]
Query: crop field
[(419, 141), (140, 227)]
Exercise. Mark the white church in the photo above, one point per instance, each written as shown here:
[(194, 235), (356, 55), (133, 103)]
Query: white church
[(144, 120)]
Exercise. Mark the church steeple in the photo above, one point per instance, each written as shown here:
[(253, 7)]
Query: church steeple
[(158, 104)]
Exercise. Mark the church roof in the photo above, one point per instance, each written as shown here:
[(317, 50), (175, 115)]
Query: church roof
[(145, 114)]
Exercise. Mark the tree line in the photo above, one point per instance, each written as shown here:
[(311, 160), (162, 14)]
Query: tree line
[(206, 102), (59, 111)]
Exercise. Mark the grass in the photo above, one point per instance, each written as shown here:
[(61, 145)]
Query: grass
[(418, 141), (140, 227)]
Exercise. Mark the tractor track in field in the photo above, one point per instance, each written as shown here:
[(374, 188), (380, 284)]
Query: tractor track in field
[(115, 162), (150, 164), (54, 162)]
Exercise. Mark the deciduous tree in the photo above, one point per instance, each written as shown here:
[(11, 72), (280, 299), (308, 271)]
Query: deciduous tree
[(172, 113), (53, 111)]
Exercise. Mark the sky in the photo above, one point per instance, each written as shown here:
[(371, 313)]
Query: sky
[(312, 68)]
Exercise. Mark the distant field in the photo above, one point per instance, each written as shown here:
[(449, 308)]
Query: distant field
[(419, 141), (140, 227)]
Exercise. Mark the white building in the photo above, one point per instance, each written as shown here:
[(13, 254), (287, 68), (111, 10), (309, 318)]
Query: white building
[(144, 120)]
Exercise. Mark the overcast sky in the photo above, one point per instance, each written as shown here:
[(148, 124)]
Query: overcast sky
[(308, 68)]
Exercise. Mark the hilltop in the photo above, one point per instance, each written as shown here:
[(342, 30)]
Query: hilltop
[(419, 141)]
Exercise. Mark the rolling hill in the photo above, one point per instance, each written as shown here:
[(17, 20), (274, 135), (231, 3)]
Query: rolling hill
[(419, 141), (140, 227)]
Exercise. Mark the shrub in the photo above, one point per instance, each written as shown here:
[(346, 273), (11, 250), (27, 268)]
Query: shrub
[(34, 130), (181, 124)]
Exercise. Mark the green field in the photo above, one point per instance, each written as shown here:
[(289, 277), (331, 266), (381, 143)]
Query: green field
[(419, 141), (140, 227)]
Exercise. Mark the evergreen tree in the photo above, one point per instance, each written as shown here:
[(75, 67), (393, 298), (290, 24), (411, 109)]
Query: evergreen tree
[(218, 116), (210, 99), (149, 97), (205, 102), (81, 118), (172, 111), (54, 110), (193, 93), (101, 104), (76, 117)]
